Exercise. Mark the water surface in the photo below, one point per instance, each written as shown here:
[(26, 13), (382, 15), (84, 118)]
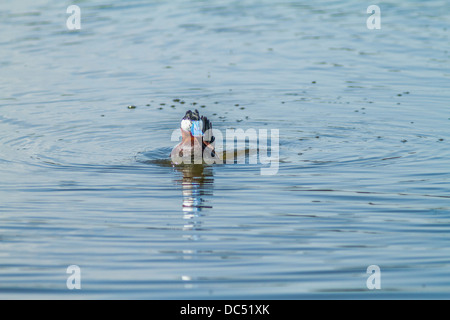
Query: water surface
[(363, 176)]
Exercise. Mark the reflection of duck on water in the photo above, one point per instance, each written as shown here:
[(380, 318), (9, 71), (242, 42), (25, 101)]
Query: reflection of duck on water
[(196, 183), (197, 140)]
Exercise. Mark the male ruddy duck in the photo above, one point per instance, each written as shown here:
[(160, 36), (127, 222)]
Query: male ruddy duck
[(197, 140)]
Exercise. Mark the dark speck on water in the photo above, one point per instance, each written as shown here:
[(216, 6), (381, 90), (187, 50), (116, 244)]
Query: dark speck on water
[(355, 185)]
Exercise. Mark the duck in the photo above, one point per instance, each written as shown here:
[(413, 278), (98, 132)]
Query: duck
[(196, 132)]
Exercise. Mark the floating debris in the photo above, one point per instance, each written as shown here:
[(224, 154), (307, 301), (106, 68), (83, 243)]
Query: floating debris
[(176, 100), (132, 107), (313, 82)]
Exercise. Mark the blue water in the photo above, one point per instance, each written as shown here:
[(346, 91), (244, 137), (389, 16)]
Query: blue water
[(364, 172)]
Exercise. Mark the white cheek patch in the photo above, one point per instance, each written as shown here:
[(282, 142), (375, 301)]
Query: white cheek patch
[(186, 125)]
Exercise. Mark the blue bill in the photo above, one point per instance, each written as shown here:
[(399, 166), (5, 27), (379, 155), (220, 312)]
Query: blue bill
[(196, 129)]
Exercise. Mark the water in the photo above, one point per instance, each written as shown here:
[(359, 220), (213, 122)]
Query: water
[(363, 176)]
